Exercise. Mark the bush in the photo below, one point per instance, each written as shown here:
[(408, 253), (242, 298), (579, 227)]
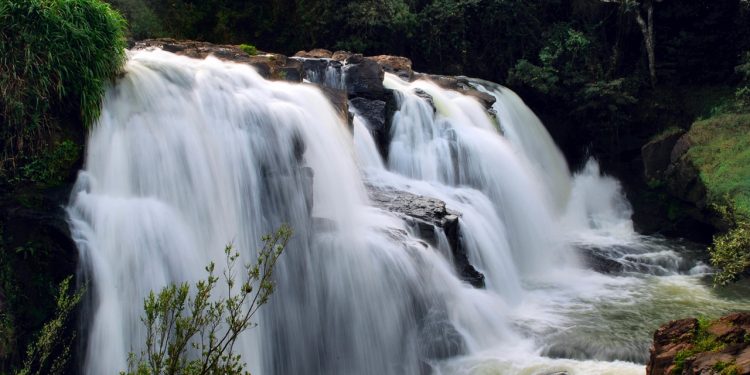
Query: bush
[(193, 332), (50, 352), (249, 49), (730, 253), (55, 56)]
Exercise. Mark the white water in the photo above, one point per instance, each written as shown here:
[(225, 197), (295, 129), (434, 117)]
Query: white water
[(192, 154)]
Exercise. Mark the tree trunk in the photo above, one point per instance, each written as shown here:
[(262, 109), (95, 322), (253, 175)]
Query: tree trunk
[(647, 29)]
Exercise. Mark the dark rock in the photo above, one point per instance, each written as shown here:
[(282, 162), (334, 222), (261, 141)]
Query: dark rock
[(680, 148), (438, 338), (427, 97), (598, 260), (428, 215), (683, 180), (323, 225), (373, 111), (657, 153), (337, 98), (308, 175), (400, 66), (363, 77)]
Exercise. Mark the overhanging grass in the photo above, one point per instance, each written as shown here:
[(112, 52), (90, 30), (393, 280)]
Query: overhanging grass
[(55, 57), (721, 152)]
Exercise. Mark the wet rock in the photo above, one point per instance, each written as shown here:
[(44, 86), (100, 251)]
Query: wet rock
[(657, 153), (400, 66), (438, 338), (338, 99), (363, 78), (428, 215), (598, 259), (307, 175), (426, 97), (317, 53), (373, 111), (460, 84)]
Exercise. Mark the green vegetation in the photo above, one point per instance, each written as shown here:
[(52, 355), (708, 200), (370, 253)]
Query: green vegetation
[(702, 342), (55, 57), (249, 49), (721, 152), (730, 253), (726, 368), (50, 352), (52, 168), (179, 320)]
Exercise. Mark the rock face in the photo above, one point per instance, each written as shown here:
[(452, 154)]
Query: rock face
[(689, 346), (429, 215), (363, 77), (657, 153), (375, 113)]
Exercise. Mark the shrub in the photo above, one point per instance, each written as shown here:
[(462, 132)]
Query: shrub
[(55, 56), (50, 352), (193, 332), (730, 253), (249, 49)]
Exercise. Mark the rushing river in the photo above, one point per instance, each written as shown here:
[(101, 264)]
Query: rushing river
[(189, 155)]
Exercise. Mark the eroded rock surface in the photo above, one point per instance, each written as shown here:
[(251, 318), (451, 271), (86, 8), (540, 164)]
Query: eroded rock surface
[(429, 215), (691, 347)]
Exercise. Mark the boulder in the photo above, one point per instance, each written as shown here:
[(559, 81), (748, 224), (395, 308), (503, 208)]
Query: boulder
[(400, 66), (429, 215), (317, 53), (363, 77), (657, 153), (341, 55)]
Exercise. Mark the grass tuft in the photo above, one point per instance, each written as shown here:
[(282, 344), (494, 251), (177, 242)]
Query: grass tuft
[(55, 56)]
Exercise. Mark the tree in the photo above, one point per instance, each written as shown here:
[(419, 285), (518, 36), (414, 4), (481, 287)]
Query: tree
[(193, 332), (636, 7)]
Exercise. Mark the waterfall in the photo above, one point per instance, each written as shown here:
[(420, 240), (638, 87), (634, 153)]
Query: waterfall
[(524, 129), (190, 155)]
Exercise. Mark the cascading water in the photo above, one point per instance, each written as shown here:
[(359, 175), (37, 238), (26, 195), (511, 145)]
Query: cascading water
[(189, 155)]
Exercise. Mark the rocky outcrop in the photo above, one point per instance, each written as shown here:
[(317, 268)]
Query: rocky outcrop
[(429, 215), (268, 65), (400, 66), (690, 346), (657, 153), (374, 112), (460, 84), (317, 53), (363, 77)]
